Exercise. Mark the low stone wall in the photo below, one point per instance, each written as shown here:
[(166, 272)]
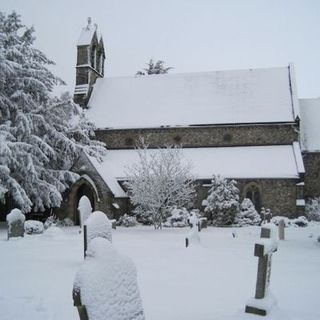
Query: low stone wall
[(209, 136)]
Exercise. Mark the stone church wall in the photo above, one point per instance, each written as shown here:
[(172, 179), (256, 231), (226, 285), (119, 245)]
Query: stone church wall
[(208, 136), (312, 175), (279, 195)]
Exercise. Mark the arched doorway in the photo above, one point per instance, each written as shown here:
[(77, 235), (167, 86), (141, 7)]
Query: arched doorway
[(252, 191), (83, 187)]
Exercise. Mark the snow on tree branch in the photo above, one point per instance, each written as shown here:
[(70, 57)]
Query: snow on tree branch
[(160, 180), (154, 68), (40, 135)]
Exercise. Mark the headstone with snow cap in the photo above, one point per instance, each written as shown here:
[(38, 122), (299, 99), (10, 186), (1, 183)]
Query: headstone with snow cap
[(15, 220), (85, 209), (106, 286), (264, 248), (97, 225), (193, 235)]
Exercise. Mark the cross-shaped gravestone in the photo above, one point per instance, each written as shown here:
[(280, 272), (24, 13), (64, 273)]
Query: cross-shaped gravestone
[(193, 235), (263, 301)]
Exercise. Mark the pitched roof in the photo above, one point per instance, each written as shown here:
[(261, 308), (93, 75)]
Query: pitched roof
[(86, 36), (309, 125), (283, 161), (220, 97)]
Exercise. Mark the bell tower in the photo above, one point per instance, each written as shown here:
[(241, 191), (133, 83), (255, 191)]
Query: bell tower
[(90, 63)]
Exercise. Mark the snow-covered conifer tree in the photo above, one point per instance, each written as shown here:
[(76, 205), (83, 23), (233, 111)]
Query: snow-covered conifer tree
[(154, 68), (222, 201), (40, 135), (247, 216), (159, 181)]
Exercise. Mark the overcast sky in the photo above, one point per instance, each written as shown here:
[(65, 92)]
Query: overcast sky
[(190, 35)]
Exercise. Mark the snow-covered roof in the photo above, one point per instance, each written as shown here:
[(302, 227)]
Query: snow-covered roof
[(230, 162), (108, 176), (220, 97), (86, 36), (309, 125)]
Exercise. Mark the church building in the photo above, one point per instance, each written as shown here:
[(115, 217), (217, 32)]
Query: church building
[(248, 125)]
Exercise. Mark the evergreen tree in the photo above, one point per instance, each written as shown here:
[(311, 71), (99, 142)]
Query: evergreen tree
[(247, 216), (154, 68), (40, 135), (222, 201)]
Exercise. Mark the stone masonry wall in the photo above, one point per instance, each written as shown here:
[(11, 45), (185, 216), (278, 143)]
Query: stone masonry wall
[(277, 194), (312, 175), (209, 136)]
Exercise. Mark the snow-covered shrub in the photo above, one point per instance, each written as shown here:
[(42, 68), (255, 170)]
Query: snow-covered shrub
[(66, 222), (98, 225), (222, 201), (295, 222), (247, 216), (127, 221), (178, 218), (275, 220), (84, 208), (15, 220), (160, 180), (107, 284), (301, 221), (51, 220), (312, 209), (33, 227)]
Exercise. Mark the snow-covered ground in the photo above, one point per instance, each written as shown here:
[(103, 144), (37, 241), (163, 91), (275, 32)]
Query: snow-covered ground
[(211, 281)]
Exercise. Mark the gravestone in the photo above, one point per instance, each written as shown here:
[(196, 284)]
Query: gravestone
[(106, 285), (15, 220), (281, 229), (263, 301), (96, 225), (193, 235)]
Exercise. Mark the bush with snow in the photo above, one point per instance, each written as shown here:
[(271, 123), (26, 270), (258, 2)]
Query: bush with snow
[(178, 218), (127, 221), (247, 216), (222, 201), (107, 284), (266, 215), (85, 209), (98, 225), (312, 209), (160, 180), (53, 232), (33, 227), (51, 220), (66, 222), (301, 221)]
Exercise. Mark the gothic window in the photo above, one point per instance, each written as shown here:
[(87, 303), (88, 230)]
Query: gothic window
[(252, 192)]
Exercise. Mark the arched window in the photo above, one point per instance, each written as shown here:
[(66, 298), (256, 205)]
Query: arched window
[(252, 192)]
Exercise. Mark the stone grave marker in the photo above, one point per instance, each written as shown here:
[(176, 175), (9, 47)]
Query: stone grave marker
[(193, 235), (15, 220), (281, 229), (96, 225), (263, 301)]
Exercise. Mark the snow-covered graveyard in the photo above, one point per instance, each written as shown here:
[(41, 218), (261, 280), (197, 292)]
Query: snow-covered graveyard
[(212, 280)]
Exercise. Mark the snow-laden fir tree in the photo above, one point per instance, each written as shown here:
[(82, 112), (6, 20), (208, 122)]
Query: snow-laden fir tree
[(154, 68), (247, 216), (222, 201), (160, 180), (40, 135)]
